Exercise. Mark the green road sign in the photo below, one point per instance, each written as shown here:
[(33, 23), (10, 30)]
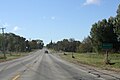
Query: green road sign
[(107, 45)]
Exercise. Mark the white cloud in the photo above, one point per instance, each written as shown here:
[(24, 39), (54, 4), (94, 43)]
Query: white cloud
[(16, 28), (89, 2), (53, 18)]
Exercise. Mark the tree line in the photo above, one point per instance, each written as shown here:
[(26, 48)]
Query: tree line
[(15, 43), (68, 45), (103, 31)]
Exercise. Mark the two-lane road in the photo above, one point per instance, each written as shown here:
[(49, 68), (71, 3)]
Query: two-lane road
[(43, 66), (9, 69)]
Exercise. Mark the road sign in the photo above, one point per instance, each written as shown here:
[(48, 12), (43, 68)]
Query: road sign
[(107, 45)]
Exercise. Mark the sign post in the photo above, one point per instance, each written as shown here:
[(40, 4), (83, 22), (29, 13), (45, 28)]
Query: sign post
[(107, 47)]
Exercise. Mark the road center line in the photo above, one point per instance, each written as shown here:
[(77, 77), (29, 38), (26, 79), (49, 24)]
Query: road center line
[(16, 77)]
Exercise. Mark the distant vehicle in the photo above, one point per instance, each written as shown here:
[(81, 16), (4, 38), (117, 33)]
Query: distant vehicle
[(46, 51)]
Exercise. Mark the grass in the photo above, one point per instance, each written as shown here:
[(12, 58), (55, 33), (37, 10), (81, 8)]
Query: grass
[(13, 56), (96, 60)]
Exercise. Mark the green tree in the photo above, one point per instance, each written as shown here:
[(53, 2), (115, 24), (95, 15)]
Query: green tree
[(85, 46), (40, 44), (28, 48), (117, 26), (118, 11), (36, 44), (65, 45), (102, 32), (50, 45)]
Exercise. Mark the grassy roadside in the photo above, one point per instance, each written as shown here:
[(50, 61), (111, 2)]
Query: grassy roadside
[(13, 56), (96, 60)]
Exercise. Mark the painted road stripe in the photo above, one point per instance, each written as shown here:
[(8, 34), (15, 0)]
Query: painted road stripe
[(16, 77)]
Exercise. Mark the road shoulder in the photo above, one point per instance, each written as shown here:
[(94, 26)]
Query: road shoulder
[(91, 69)]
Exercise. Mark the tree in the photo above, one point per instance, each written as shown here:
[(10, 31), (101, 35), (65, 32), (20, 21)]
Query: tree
[(115, 39), (40, 44), (118, 11), (85, 46), (36, 44), (14, 42), (102, 32), (28, 48), (117, 26), (50, 45), (65, 45)]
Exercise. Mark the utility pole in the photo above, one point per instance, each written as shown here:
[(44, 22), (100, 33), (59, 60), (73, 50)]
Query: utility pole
[(3, 42)]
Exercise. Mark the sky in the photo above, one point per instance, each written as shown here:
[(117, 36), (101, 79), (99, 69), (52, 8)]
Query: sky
[(54, 19)]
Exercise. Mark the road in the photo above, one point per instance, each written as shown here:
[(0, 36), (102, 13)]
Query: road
[(43, 66)]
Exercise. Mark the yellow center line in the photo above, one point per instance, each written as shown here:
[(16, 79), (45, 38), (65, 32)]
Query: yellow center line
[(16, 77)]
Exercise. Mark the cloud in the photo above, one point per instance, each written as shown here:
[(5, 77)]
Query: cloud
[(89, 2), (16, 28), (53, 18)]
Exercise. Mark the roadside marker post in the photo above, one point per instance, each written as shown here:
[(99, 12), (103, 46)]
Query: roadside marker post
[(107, 47)]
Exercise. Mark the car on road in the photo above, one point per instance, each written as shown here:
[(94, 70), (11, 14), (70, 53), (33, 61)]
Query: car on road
[(46, 51)]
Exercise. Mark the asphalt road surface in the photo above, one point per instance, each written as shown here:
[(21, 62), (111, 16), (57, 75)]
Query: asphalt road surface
[(43, 66)]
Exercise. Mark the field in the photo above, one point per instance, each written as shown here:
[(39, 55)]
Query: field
[(96, 60), (14, 55)]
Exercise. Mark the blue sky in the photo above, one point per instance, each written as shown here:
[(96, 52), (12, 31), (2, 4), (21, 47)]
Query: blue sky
[(54, 19)]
